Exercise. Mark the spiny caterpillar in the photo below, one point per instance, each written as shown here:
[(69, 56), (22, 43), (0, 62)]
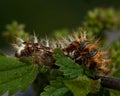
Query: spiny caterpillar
[(39, 53), (81, 50)]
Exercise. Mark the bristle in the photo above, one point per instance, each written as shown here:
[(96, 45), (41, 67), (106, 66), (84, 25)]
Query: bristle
[(71, 38), (21, 40), (75, 35), (61, 44), (83, 35), (65, 41), (22, 47), (15, 46), (35, 38), (47, 42)]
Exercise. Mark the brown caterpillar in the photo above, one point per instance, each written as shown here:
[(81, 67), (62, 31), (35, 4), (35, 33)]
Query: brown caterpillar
[(81, 50), (39, 53)]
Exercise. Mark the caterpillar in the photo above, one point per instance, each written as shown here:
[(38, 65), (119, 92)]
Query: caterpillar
[(39, 53), (81, 50)]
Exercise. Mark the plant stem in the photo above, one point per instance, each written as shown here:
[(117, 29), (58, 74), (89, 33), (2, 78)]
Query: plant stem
[(110, 82)]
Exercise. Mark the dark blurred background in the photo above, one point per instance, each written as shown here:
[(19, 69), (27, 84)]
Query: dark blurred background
[(46, 16)]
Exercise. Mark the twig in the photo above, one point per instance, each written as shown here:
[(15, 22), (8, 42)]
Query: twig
[(110, 82)]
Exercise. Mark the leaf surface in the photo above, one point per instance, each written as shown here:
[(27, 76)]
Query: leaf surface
[(56, 88), (15, 75), (67, 66), (79, 87)]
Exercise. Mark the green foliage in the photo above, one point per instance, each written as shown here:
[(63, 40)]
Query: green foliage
[(43, 78), (104, 18), (115, 53), (15, 75), (104, 92), (73, 80), (101, 19), (56, 88), (114, 92), (79, 87), (14, 30), (67, 66)]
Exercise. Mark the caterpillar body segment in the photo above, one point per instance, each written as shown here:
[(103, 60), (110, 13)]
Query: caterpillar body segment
[(82, 51)]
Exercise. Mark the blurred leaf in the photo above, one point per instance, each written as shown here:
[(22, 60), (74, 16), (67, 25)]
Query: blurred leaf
[(91, 73), (43, 79), (115, 54), (104, 92), (56, 88), (94, 86), (101, 19), (67, 66), (15, 75), (79, 87), (114, 93), (14, 30), (1, 53)]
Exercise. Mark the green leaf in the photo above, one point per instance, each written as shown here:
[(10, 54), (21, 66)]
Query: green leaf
[(15, 75), (9, 63), (114, 92), (91, 73), (104, 92), (79, 87), (67, 66), (115, 51), (56, 88)]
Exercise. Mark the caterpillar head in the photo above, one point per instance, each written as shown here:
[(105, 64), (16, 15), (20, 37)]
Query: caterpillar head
[(25, 48)]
